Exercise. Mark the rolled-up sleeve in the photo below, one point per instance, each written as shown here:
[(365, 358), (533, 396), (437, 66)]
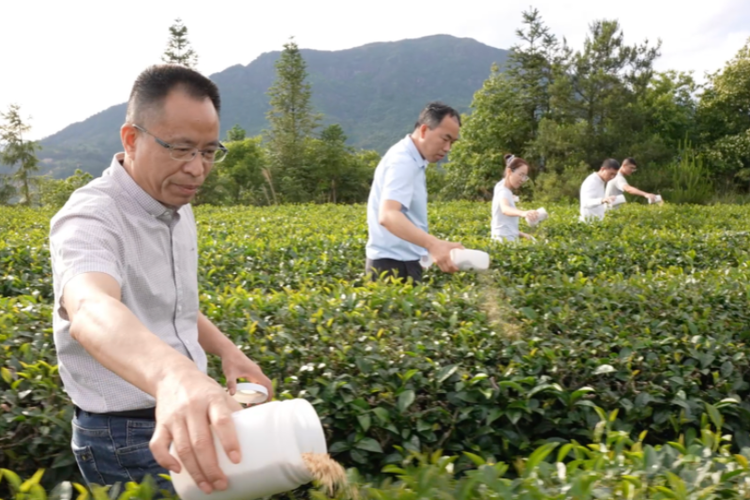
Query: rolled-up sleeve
[(398, 181)]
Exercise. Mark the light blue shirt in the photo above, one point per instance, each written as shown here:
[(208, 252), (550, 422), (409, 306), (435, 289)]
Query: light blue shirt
[(400, 176)]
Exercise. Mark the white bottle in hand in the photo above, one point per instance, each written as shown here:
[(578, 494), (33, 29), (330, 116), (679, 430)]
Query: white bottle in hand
[(464, 259)]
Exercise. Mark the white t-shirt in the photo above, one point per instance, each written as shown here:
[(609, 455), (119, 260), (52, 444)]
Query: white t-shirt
[(503, 226), (592, 192), (616, 186)]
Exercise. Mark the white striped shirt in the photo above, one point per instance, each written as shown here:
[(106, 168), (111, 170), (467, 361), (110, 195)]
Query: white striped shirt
[(113, 226)]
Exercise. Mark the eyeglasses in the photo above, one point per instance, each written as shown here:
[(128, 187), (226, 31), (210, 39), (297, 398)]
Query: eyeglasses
[(182, 153), (524, 178)]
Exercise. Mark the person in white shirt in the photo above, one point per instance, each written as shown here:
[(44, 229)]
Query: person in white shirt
[(593, 198), (504, 212), (619, 184)]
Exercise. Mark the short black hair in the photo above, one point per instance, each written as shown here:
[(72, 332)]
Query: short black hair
[(155, 82), (611, 164), (629, 160), (434, 113)]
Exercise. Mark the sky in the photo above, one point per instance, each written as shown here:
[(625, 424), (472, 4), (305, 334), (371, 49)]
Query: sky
[(63, 62)]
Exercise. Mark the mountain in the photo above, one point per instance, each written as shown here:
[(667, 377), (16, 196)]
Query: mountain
[(375, 92)]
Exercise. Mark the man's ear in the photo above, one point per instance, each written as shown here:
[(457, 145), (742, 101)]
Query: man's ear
[(127, 136), (423, 130)]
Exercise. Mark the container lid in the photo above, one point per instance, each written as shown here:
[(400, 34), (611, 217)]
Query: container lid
[(250, 394)]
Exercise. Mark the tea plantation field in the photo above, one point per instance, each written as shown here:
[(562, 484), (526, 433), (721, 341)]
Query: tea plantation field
[(627, 335)]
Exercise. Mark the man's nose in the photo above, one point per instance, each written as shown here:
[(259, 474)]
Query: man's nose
[(195, 166)]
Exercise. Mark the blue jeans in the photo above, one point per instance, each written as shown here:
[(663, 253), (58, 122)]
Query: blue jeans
[(112, 450)]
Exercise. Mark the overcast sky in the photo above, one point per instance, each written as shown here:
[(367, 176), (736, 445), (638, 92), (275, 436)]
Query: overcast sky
[(64, 61)]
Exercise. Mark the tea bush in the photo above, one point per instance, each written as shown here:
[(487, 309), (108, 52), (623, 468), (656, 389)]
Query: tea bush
[(613, 466), (644, 313)]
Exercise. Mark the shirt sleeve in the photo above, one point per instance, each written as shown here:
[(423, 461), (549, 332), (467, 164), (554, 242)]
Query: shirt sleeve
[(83, 242), (589, 198), (621, 182), (398, 182), (497, 193)]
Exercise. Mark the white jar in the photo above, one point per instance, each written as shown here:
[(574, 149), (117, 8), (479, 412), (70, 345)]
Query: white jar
[(273, 436), (470, 260), (657, 199), (542, 216), (464, 259)]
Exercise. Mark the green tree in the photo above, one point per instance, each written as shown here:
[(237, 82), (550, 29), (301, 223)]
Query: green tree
[(667, 111), (600, 90), (724, 119), (236, 133), (18, 153), (292, 121), (55, 192), (507, 110), (7, 190), (239, 179), (340, 174), (179, 50)]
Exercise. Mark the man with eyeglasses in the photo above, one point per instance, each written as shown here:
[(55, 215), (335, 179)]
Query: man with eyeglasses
[(130, 338), (398, 234), (620, 185)]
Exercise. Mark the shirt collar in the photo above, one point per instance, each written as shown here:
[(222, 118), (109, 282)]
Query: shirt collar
[(414, 152), (128, 184)]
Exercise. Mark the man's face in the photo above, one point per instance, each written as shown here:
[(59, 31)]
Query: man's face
[(183, 122), (627, 168), (608, 174), (436, 143)]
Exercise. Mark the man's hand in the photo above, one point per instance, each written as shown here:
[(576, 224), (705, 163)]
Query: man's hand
[(440, 251), (189, 405), (651, 197), (531, 215), (609, 200), (236, 365)]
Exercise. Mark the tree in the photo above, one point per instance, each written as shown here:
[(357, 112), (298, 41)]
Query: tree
[(7, 190), (236, 133), (292, 120), (340, 175), (54, 192), (238, 180), (668, 112), (507, 110), (601, 90), (16, 152), (724, 119), (179, 50)]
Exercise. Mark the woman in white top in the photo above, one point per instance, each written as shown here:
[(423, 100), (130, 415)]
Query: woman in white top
[(504, 212)]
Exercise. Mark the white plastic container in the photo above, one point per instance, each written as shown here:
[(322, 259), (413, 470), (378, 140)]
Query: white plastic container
[(657, 200), (464, 259), (543, 215), (273, 436), (250, 394), (470, 260), (619, 200)]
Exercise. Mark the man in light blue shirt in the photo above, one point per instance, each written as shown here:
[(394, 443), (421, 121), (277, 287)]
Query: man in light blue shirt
[(398, 234)]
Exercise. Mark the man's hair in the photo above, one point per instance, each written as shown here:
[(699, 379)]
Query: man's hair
[(611, 164), (434, 113), (154, 84), (629, 160)]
